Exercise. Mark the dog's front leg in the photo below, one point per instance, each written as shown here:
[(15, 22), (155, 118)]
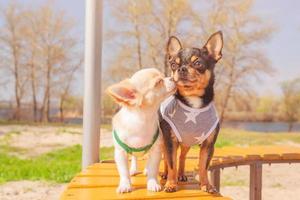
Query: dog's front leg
[(206, 154), (183, 152), (171, 156), (152, 169), (164, 175), (121, 160), (133, 167)]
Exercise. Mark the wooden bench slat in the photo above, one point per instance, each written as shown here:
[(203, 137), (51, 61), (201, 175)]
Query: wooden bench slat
[(291, 156), (185, 192)]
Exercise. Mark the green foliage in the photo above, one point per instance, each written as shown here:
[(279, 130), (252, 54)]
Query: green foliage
[(58, 166), (237, 137), (72, 102), (291, 99)]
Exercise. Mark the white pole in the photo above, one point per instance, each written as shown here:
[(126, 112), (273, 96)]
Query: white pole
[(92, 82)]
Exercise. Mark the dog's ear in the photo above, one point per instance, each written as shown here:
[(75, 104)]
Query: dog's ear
[(173, 46), (124, 93), (214, 45)]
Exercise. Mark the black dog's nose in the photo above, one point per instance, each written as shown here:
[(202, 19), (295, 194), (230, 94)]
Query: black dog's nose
[(182, 69)]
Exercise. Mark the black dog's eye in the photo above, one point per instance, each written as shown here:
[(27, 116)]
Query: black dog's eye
[(198, 63), (174, 66)]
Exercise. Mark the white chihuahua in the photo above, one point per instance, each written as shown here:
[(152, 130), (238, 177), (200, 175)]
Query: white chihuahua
[(135, 126)]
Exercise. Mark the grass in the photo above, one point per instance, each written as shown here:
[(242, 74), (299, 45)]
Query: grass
[(236, 137), (58, 166)]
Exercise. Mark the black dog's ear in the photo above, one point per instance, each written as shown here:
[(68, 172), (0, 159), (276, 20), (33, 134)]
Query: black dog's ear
[(214, 45), (173, 46)]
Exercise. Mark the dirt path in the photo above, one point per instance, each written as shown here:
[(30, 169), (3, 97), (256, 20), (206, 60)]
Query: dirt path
[(44, 138), (280, 181), (31, 190)]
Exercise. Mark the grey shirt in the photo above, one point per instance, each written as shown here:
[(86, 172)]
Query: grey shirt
[(190, 125)]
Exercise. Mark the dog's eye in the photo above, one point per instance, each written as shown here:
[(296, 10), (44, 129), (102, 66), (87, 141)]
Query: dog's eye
[(174, 66), (198, 63)]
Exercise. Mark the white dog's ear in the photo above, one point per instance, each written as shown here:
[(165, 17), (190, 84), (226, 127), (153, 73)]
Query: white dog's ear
[(214, 45), (124, 93)]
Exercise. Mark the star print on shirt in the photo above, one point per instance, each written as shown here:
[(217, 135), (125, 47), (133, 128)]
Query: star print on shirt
[(199, 139), (171, 114), (191, 116)]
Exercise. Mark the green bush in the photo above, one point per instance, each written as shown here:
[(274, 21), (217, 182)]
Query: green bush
[(58, 166)]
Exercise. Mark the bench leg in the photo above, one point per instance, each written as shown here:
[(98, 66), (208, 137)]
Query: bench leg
[(255, 181), (215, 178)]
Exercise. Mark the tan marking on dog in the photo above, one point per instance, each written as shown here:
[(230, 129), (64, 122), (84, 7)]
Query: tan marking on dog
[(177, 60), (193, 58), (183, 152), (197, 87), (171, 184), (175, 75)]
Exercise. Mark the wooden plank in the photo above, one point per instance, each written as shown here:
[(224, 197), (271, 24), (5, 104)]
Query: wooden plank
[(188, 192), (271, 157), (215, 178), (291, 156), (99, 172), (255, 181), (113, 181)]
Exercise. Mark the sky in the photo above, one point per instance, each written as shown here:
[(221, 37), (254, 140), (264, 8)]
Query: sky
[(283, 49)]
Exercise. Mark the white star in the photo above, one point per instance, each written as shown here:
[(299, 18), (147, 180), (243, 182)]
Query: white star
[(199, 139), (191, 116), (171, 114)]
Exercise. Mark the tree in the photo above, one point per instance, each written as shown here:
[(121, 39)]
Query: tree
[(56, 46), (243, 61), (65, 86), (165, 20), (148, 25), (291, 101), (12, 40), (131, 15), (32, 56)]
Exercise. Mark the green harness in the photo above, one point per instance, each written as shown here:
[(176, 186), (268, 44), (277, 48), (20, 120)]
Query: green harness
[(131, 150)]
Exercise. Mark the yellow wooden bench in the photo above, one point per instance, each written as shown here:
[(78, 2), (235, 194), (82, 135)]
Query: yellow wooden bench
[(255, 157), (99, 181)]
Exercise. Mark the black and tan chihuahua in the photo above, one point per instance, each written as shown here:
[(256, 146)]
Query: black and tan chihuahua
[(191, 109)]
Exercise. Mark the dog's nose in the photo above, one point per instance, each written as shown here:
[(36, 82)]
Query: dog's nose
[(182, 69)]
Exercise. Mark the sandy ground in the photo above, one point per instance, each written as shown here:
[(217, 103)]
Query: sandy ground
[(44, 138), (31, 190), (280, 181)]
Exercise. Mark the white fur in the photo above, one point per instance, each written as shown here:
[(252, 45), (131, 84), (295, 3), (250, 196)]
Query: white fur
[(194, 101), (136, 127)]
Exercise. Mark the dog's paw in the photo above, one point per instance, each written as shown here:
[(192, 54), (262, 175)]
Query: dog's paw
[(182, 178), (208, 188), (164, 176), (170, 187), (153, 186), (124, 186)]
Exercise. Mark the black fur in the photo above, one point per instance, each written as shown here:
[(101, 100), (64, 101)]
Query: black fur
[(207, 63), (167, 138), (203, 62)]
